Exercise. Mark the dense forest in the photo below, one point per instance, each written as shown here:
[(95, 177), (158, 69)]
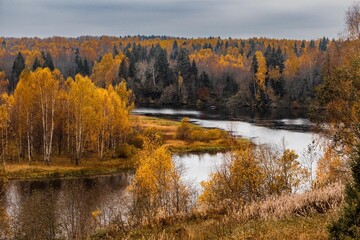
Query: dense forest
[(66, 111), (164, 70)]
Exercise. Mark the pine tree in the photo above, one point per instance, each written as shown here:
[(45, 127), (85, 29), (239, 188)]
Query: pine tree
[(183, 63), (124, 69), (161, 67), (194, 69), (115, 51), (174, 51), (86, 68), (48, 62), (323, 44), (312, 44), (18, 67), (280, 59), (36, 64)]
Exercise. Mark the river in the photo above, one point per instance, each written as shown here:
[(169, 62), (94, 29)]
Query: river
[(32, 202)]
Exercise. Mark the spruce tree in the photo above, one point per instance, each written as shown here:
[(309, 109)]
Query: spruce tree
[(18, 67), (86, 68), (348, 224), (115, 51), (183, 64), (48, 62), (174, 51), (36, 64)]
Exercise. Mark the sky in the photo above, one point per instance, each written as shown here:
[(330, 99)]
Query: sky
[(291, 19)]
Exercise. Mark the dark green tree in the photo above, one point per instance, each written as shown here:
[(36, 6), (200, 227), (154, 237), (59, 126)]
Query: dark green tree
[(115, 51), (174, 51), (323, 44), (17, 68), (162, 68), (86, 68), (348, 224), (36, 64), (312, 44), (48, 62), (183, 64), (124, 68)]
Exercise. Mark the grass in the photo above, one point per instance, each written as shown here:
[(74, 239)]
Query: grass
[(296, 227), (168, 129), (61, 167), (297, 216)]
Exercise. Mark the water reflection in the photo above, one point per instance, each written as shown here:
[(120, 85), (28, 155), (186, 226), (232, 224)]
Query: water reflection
[(198, 166), (64, 208)]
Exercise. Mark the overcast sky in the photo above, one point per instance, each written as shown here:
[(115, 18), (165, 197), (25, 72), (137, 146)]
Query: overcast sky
[(295, 19)]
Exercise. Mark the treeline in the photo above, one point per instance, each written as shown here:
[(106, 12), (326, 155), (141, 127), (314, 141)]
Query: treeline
[(73, 117), (163, 70)]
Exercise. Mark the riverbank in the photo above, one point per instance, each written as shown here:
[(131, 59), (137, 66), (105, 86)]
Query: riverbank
[(204, 142), (62, 167), (295, 216)]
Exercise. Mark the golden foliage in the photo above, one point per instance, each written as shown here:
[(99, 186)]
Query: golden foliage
[(157, 189), (261, 71), (331, 168)]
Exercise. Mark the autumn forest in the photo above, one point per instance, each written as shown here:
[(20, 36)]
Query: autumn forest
[(162, 137)]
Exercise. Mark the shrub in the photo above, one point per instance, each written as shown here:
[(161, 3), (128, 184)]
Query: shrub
[(125, 151), (348, 224), (184, 130)]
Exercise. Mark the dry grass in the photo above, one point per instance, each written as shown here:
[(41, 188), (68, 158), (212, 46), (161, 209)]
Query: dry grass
[(299, 216), (168, 129), (317, 201), (63, 168)]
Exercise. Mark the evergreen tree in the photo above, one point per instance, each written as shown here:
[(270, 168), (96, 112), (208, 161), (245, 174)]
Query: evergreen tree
[(218, 46), (80, 67), (303, 44), (174, 51), (36, 64), (18, 67), (323, 44), (254, 65), (269, 55), (312, 44), (280, 59), (183, 64), (115, 51), (86, 68), (161, 67), (348, 225), (204, 80), (124, 69), (194, 69), (48, 62), (296, 51)]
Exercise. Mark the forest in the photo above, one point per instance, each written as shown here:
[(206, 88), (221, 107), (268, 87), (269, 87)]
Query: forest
[(78, 161), (162, 70)]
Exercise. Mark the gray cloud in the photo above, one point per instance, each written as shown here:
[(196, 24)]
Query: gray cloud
[(196, 18)]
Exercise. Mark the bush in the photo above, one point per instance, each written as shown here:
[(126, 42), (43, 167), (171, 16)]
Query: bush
[(184, 130), (125, 151), (348, 224)]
